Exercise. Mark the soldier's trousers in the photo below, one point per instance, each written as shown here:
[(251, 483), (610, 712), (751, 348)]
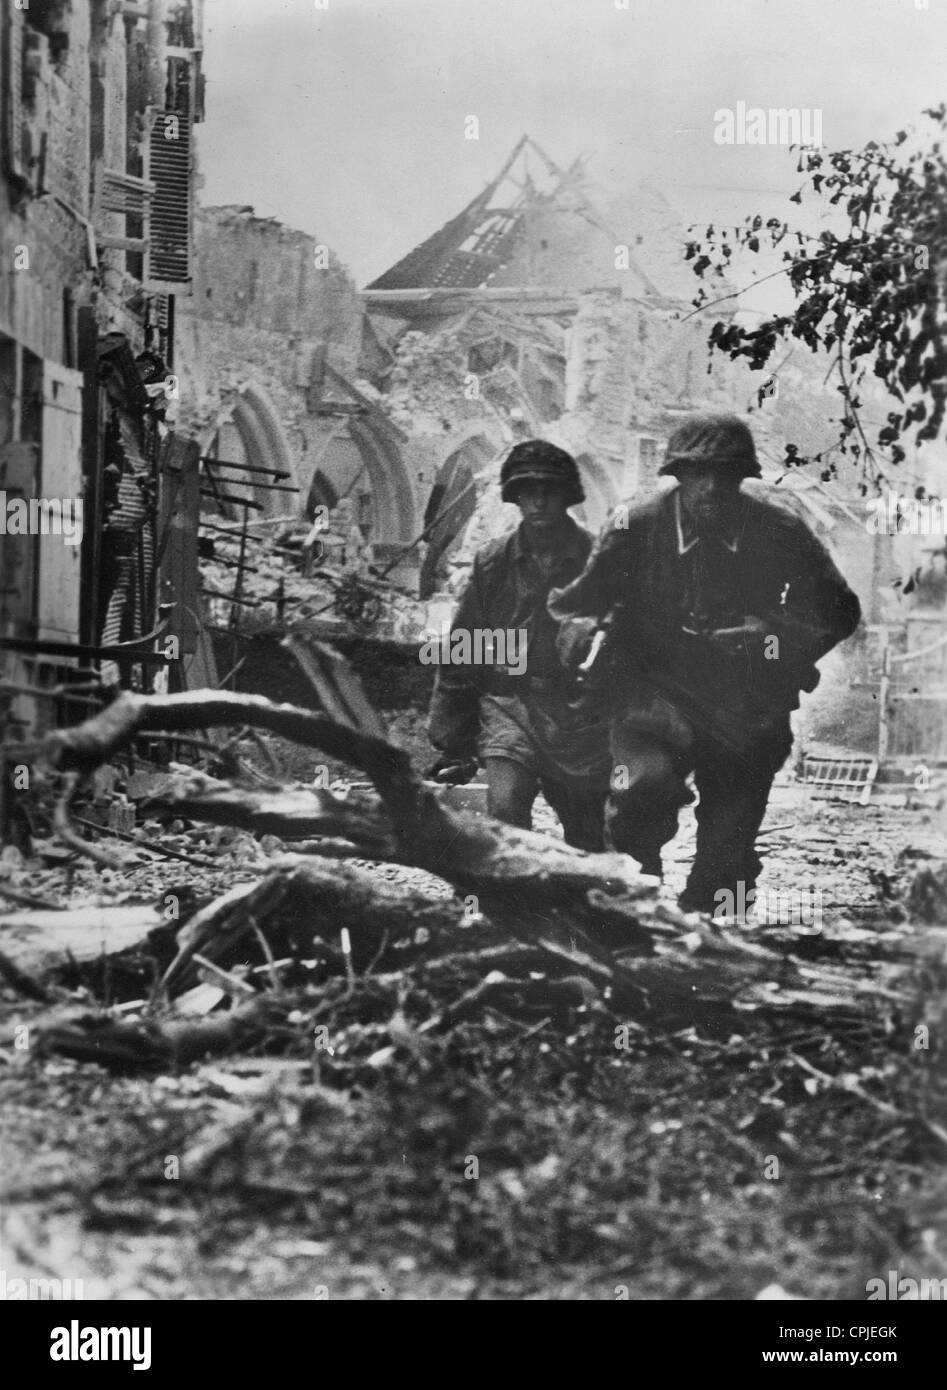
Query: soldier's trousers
[(655, 748), (540, 743), (511, 791)]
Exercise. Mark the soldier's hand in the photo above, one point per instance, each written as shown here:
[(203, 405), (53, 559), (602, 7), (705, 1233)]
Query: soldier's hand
[(734, 640), (574, 641), (452, 771)]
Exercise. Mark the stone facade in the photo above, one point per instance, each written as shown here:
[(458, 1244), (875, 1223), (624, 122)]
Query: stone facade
[(252, 341), (83, 84), (269, 349)]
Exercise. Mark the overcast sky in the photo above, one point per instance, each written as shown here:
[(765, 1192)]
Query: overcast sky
[(348, 121)]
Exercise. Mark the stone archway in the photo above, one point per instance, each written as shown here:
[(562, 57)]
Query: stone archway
[(250, 433), (394, 514), (452, 502), (361, 461)]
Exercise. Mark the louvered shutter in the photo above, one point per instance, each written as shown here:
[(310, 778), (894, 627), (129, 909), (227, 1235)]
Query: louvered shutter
[(125, 195), (121, 193), (13, 93), (168, 226)]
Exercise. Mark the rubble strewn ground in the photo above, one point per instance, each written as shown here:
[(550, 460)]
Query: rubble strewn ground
[(520, 1153), (335, 587)]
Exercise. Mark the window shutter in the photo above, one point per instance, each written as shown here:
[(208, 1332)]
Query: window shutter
[(168, 224), (121, 193), (115, 192), (13, 121), (57, 608), (19, 473)]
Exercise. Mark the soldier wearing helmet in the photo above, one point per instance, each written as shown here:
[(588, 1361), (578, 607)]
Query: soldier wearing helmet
[(719, 604), (524, 726)]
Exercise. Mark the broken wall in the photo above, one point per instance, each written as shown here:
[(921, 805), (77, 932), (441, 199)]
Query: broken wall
[(270, 306)]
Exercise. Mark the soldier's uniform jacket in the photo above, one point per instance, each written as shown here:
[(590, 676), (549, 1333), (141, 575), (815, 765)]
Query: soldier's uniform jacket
[(670, 585), (506, 589)]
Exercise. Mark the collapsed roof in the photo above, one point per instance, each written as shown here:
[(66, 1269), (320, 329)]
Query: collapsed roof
[(473, 249)]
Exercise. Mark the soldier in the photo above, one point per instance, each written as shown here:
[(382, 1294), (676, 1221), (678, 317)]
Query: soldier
[(527, 729), (717, 605)]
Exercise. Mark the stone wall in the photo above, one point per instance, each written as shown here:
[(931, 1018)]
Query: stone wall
[(31, 295), (263, 314)]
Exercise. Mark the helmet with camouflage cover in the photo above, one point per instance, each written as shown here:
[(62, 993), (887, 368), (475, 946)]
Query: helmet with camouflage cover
[(536, 460), (713, 439)]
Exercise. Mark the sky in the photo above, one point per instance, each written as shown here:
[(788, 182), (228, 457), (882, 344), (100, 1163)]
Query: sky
[(347, 118)]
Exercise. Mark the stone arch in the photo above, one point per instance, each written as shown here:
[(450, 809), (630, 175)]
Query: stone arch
[(263, 443), (451, 504), (267, 446), (395, 509)]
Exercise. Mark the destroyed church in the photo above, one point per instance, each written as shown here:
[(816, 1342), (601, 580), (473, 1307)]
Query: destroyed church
[(546, 307), (263, 448)]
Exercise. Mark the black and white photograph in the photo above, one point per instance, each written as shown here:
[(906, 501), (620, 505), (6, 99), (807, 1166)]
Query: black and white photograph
[(473, 662)]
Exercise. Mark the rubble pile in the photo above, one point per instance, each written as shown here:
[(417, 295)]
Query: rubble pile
[(293, 574), (541, 926), (366, 993)]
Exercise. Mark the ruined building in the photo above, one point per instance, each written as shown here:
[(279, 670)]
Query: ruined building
[(546, 307), (273, 324), (550, 307), (272, 328), (543, 308), (96, 241), (204, 380)]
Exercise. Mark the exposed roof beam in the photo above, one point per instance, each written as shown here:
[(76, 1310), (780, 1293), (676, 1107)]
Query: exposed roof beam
[(486, 292)]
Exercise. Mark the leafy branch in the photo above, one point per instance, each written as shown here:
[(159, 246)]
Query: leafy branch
[(872, 296)]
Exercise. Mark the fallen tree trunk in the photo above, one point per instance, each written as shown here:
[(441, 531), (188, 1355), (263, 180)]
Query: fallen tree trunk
[(587, 915), (291, 814), (302, 903), (143, 1045), (517, 876), (36, 942)]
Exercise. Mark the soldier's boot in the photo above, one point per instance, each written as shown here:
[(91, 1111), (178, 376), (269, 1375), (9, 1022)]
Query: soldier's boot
[(724, 892), (580, 806), (733, 796), (648, 791)]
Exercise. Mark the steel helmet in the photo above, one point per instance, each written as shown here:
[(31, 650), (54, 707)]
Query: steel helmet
[(713, 439), (538, 460)]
